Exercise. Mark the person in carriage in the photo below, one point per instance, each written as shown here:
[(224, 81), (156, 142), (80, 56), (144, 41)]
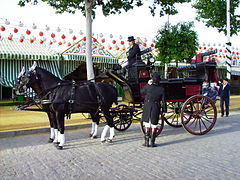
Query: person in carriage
[(133, 54), (154, 94), (210, 89)]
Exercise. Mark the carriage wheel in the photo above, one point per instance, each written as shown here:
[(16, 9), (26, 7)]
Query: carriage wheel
[(198, 115), (172, 118), (122, 120), (160, 126)]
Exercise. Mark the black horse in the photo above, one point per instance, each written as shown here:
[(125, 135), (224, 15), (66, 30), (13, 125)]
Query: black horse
[(62, 98)]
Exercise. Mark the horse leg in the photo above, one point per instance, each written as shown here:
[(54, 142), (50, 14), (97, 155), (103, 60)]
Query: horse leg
[(108, 126), (60, 123), (95, 118), (53, 127)]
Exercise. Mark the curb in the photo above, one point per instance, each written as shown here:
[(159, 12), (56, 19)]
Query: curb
[(8, 134)]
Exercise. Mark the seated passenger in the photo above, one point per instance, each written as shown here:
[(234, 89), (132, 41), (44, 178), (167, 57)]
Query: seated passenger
[(210, 90)]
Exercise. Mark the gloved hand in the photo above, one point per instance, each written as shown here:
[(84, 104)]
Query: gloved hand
[(150, 82)]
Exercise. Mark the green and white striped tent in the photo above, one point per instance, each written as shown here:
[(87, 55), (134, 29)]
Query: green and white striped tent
[(14, 55)]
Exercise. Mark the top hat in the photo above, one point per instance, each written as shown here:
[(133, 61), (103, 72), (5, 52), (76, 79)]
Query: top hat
[(131, 38)]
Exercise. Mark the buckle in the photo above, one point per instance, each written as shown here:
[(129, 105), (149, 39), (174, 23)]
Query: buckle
[(71, 101)]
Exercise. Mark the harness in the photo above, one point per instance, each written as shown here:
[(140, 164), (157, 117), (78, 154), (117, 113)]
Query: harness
[(45, 99)]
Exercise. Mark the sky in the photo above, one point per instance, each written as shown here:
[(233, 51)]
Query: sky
[(137, 22)]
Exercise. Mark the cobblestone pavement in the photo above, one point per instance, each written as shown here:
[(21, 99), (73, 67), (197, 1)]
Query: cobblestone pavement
[(179, 155)]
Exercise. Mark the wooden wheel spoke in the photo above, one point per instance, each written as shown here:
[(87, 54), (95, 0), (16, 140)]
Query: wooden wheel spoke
[(191, 123), (200, 128), (170, 116), (203, 123), (208, 110), (207, 119)]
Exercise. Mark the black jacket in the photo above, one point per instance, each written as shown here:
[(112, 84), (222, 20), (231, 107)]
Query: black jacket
[(133, 52), (152, 107), (224, 93)]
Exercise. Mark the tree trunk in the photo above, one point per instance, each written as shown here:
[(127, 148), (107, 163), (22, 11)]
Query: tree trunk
[(89, 63)]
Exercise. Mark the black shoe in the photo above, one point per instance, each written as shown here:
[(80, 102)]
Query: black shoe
[(222, 115), (146, 142)]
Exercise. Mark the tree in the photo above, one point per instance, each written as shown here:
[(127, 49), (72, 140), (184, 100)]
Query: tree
[(87, 7), (213, 13), (176, 42)]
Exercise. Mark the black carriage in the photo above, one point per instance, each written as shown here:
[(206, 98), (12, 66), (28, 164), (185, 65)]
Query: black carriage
[(186, 106)]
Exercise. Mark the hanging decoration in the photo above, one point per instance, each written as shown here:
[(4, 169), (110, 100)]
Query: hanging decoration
[(28, 32), (34, 26), (74, 38), (7, 22), (47, 28), (15, 30), (3, 28), (53, 35), (10, 37), (40, 33), (63, 36)]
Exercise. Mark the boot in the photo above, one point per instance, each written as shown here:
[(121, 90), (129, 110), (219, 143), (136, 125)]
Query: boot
[(146, 137), (153, 137)]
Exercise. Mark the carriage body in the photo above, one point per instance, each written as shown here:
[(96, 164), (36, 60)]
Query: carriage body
[(185, 103)]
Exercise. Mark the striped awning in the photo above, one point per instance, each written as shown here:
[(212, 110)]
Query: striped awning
[(9, 69), (13, 49)]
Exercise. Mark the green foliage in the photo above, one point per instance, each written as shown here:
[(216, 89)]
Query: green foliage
[(176, 42), (213, 13), (108, 6)]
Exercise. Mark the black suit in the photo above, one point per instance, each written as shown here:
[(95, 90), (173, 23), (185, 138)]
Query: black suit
[(224, 94), (152, 107), (133, 52)]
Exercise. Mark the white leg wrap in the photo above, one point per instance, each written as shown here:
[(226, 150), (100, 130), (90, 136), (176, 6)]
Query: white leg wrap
[(95, 130), (59, 136), (52, 133), (104, 133), (56, 136), (147, 125), (93, 127), (61, 139), (154, 126), (112, 134)]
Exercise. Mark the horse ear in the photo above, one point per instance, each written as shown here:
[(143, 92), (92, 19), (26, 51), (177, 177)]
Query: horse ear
[(22, 72), (33, 66)]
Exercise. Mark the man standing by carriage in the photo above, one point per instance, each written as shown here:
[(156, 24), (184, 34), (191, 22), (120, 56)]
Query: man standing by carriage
[(154, 94), (224, 94)]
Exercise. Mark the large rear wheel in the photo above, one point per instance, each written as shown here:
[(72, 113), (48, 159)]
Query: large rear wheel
[(198, 115)]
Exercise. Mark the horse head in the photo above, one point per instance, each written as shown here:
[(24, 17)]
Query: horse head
[(25, 79)]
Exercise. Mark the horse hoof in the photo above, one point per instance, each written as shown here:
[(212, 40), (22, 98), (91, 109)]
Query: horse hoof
[(103, 141), (56, 143), (50, 140), (90, 135), (109, 140), (94, 137), (59, 147)]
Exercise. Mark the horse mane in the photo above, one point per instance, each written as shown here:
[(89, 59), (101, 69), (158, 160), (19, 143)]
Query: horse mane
[(44, 72)]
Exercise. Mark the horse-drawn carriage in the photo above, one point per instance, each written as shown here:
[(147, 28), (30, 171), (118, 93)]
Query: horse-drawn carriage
[(186, 106)]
